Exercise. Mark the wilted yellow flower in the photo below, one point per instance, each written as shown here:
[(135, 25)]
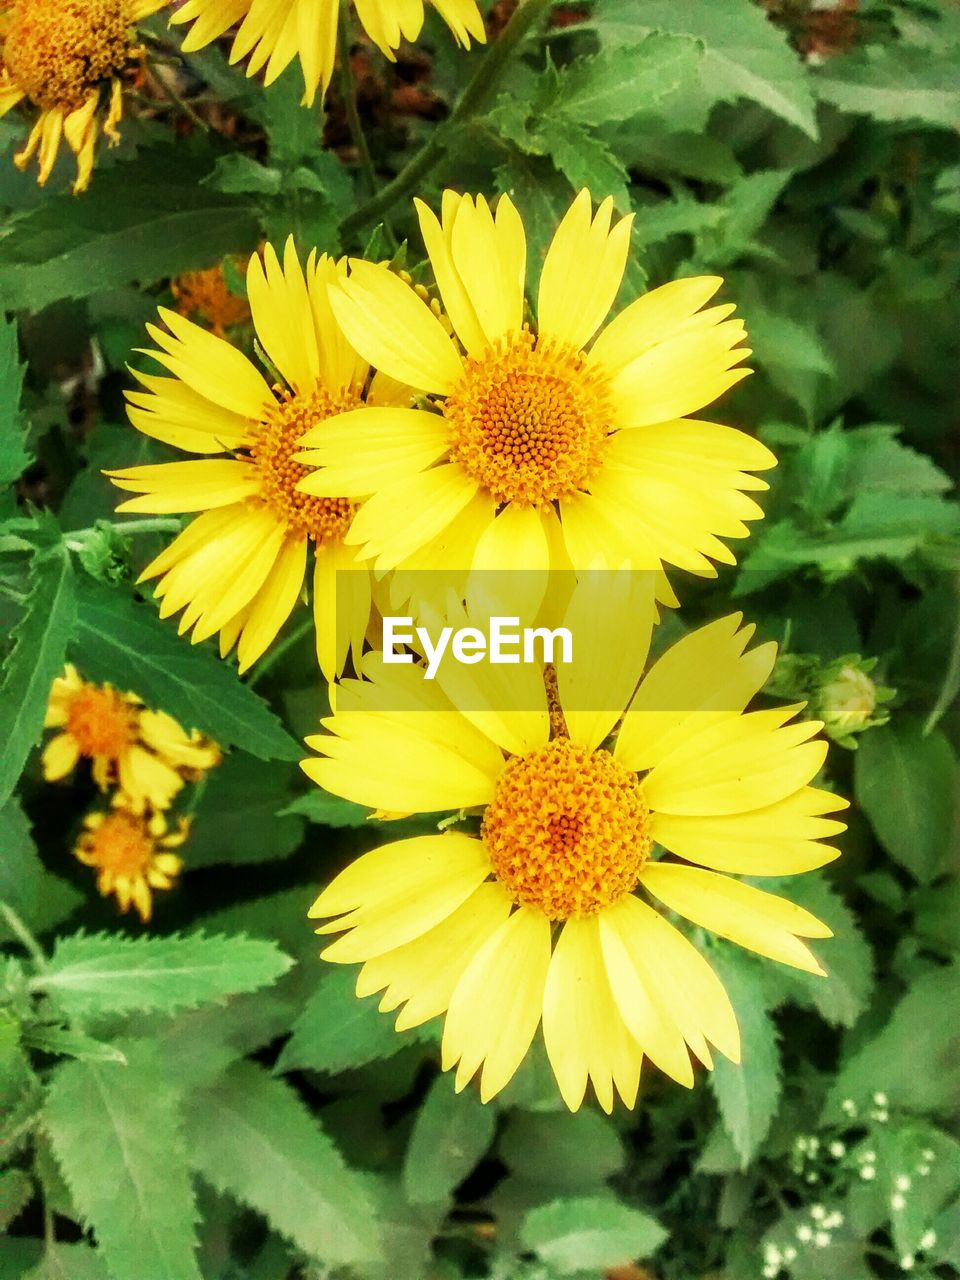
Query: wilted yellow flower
[(543, 445), (144, 753), (239, 567), (554, 911), (204, 295), (131, 853), (274, 32), (66, 58)]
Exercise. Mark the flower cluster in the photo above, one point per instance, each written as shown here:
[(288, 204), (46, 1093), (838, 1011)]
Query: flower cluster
[(141, 759)]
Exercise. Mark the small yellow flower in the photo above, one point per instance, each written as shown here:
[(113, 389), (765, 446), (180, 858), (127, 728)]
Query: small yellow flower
[(555, 910), (66, 58), (131, 853), (547, 444), (274, 32), (239, 567), (145, 753), (204, 295)]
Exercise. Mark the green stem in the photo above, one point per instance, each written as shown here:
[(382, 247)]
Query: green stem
[(475, 96), (180, 103), (24, 935), (76, 539), (348, 91)]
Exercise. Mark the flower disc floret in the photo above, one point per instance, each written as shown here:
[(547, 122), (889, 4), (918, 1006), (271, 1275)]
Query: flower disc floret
[(277, 440), (529, 420), (101, 721), (60, 51), (567, 830)]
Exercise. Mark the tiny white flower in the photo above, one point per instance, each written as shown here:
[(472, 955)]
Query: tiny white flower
[(771, 1253), (868, 1173), (868, 1157), (848, 1107), (818, 1212), (821, 1239), (813, 1176), (897, 1202), (804, 1233), (833, 1220), (907, 1261), (928, 1239), (789, 1253), (838, 1150), (770, 1271), (923, 1170), (903, 1182), (881, 1116), (881, 1099), (928, 1154)]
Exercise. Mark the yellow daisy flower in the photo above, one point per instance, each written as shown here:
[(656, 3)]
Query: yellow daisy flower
[(274, 32), (66, 58), (239, 567), (146, 753), (553, 912), (542, 446), (131, 852)]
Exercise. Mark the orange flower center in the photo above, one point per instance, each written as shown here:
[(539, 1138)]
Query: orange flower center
[(278, 439), (567, 830), (205, 294), (59, 51), (101, 722), (121, 844), (529, 420)]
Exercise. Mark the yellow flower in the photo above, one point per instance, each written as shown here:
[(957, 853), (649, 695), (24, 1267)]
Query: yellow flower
[(205, 294), (274, 32), (67, 57), (131, 852), (146, 753), (238, 568), (553, 911), (540, 449)]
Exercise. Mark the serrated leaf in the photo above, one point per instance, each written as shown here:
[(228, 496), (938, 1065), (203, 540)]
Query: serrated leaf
[(332, 811), (124, 642), (68, 1262), (843, 995), (562, 1151), (893, 82), (590, 1232), (144, 220), (252, 1137), (627, 78), (115, 1133), (885, 464), (449, 1137), (16, 1192), (584, 160), (907, 784), (95, 974), (39, 645), (241, 816), (745, 55), (68, 1043), (337, 1031), (14, 457), (39, 898), (915, 1056), (747, 1094)]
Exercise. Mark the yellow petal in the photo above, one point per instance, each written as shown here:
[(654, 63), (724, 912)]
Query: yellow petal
[(652, 318), (437, 237), (495, 1010), (210, 366), (361, 451), (582, 272), (173, 487), (282, 315), (490, 254), (401, 518), (754, 919), (60, 756), (273, 603)]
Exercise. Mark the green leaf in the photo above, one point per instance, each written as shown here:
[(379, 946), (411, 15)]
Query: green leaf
[(450, 1135), (332, 811), (885, 464), (39, 898), (562, 1151), (252, 1137), (115, 1133), (907, 785), (745, 55), (39, 647), (843, 995), (144, 220), (14, 458), (241, 816), (893, 82), (16, 1192), (95, 974), (590, 1232), (68, 1043), (68, 1262), (626, 79), (124, 642), (747, 1094), (337, 1030), (584, 160), (915, 1056)]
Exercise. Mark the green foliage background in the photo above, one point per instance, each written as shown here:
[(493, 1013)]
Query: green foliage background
[(205, 1099)]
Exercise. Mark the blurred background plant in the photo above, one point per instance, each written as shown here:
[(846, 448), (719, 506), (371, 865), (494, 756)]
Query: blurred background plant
[(199, 1097)]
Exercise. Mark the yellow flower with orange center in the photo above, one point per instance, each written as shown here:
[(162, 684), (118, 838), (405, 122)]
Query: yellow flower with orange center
[(131, 852), (593, 822), (239, 567), (542, 444), (145, 753), (66, 58), (273, 33)]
